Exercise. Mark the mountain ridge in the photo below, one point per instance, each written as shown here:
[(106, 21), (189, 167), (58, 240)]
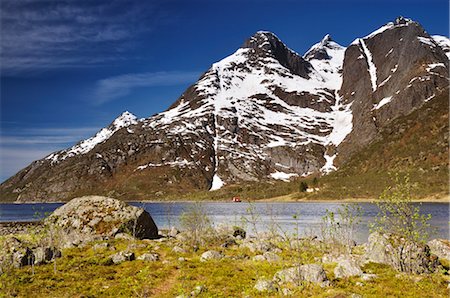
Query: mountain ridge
[(264, 112)]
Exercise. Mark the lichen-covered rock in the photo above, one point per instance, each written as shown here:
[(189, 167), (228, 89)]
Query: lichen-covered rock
[(402, 254), (310, 272), (440, 247), (122, 257), (94, 217), (148, 257), (265, 285), (43, 255), (210, 255), (15, 253), (347, 268)]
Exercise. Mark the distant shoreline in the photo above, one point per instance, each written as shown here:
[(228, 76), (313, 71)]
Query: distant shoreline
[(280, 199)]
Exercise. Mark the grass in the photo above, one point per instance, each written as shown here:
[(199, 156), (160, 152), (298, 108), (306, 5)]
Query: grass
[(85, 272)]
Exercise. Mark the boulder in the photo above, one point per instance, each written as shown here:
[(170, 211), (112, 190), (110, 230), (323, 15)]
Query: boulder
[(265, 285), (94, 217), (43, 255), (15, 253), (148, 257), (440, 247), (224, 230), (347, 268), (311, 273), (122, 257), (173, 232), (258, 245), (210, 255), (402, 254)]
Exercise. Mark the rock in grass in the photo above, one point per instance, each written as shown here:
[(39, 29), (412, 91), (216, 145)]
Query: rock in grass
[(95, 217), (15, 253), (310, 272), (210, 255), (265, 285), (347, 268), (43, 255), (148, 257), (440, 247), (178, 250), (122, 257), (402, 254)]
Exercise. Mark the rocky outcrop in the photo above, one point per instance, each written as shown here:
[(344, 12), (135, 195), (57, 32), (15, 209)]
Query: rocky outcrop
[(347, 268), (94, 217), (402, 254), (440, 248)]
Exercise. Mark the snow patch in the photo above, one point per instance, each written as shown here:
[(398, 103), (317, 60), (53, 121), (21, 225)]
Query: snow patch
[(427, 41), (382, 102), (282, 176), (372, 68), (217, 183), (328, 167)]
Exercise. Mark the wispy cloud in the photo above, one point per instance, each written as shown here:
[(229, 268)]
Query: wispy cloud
[(20, 147), (55, 34), (119, 86)]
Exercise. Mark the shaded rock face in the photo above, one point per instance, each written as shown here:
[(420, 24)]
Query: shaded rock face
[(15, 254), (387, 75), (95, 217), (403, 255), (262, 113)]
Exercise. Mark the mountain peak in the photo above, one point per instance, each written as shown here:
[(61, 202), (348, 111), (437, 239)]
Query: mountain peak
[(263, 40), (125, 119), (320, 50), (265, 43)]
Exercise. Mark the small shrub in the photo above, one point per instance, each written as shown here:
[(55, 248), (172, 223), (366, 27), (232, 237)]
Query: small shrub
[(303, 186), (398, 215), (197, 224), (338, 228)]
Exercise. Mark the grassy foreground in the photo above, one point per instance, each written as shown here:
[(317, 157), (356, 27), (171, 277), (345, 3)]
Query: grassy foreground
[(86, 272)]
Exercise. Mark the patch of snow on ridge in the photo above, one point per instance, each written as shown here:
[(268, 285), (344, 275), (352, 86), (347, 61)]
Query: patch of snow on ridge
[(124, 120), (282, 175), (382, 102), (443, 42), (372, 68), (427, 41)]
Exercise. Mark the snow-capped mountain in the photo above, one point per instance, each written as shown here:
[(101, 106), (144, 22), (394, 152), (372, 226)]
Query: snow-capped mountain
[(264, 112)]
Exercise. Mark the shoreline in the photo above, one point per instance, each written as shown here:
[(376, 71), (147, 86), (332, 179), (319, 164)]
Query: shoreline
[(445, 200)]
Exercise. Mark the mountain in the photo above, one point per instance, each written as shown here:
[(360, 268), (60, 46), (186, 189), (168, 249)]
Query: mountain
[(263, 113)]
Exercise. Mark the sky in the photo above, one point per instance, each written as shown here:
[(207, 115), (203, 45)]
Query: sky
[(69, 68)]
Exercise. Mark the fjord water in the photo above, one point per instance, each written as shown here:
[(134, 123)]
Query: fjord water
[(308, 215)]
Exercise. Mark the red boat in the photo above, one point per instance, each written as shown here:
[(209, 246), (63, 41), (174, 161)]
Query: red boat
[(236, 199)]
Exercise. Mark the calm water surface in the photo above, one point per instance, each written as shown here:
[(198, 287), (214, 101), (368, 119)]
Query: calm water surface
[(308, 220)]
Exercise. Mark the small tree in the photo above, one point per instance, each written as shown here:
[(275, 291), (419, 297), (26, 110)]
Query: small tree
[(398, 215), (303, 186), (197, 224), (338, 228)]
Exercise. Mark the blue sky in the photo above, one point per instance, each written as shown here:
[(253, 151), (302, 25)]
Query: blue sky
[(69, 68)]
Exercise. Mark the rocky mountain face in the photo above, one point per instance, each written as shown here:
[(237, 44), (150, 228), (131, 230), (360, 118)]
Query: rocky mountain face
[(264, 112)]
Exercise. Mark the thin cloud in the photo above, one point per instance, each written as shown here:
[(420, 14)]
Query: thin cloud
[(38, 35), (119, 86), (20, 147)]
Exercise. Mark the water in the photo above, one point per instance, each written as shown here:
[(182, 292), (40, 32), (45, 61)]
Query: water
[(308, 221)]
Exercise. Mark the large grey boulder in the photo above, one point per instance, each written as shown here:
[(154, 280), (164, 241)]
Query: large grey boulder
[(95, 217), (310, 272), (440, 247), (402, 254)]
